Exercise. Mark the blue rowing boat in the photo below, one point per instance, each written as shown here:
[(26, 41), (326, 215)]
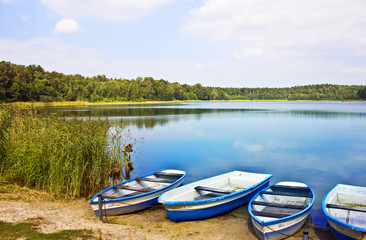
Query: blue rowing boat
[(212, 196)]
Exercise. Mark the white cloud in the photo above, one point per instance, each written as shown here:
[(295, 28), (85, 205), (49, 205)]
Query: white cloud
[(355, 70), (53, 55), (67, 26), (253, 147), (237, 144), (109, 10), (250, 147), (282, 28), (23, 17), (269, 145)]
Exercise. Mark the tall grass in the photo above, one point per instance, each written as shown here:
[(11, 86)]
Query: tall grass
[(68, 158)]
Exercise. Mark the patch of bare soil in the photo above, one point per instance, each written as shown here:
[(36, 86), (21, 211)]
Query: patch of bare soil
[(152, 223)]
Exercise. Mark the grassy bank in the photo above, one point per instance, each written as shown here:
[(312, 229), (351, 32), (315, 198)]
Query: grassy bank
[(70, 158), (27, 230), (78, 103)]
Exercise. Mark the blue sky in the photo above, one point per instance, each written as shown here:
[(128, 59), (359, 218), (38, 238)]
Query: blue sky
[(224, 43)]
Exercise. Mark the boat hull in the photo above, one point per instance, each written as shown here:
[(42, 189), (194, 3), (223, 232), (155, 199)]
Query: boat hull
[(206, 210), (343, 233), (132, 204), (280, 230)]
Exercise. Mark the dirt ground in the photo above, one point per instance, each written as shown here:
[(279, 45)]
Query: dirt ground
[(152, 223)]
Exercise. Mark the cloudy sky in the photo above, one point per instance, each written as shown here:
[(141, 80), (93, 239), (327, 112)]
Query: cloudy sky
[(225, 43)]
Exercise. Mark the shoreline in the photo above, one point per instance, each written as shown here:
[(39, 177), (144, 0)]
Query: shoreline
[(50, 215), (152, 223), (79, 103)]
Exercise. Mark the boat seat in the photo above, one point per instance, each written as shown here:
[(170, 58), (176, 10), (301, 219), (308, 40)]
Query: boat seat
[(215, 190), (124, 187), (289, 194), (208, 195), (290, 187), (336, 206), (159, 180), (270, 214), (167, 174), (108, 196), (278, 205), (300, 191)]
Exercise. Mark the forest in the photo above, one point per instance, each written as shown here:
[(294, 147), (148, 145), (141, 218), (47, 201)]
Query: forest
[(19, 83)]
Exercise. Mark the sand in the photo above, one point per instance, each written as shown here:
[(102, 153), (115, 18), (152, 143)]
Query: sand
[(153, 223)]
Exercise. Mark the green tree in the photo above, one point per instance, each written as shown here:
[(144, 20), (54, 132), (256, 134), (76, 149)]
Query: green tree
[(362, 93), (6, 80)]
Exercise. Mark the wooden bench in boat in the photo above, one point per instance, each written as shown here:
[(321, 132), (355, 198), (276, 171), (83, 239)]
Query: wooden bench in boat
[(290, 191), (167, 174), (290, 187), (214, 190), (288, 194), (109, 196), (278, 205), (271, 214), (208, 195), (336, 206), (124, 187), (159, 180)]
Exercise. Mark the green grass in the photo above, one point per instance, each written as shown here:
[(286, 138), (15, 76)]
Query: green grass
[(14, 192), (68, 158), (27, 230)]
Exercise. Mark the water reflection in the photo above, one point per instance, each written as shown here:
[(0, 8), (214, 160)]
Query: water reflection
[(150, 116)]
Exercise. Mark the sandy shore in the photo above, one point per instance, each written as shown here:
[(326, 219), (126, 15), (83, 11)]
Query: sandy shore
[(152, 223)]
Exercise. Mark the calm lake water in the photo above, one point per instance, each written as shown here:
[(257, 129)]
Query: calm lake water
[(320, 143)]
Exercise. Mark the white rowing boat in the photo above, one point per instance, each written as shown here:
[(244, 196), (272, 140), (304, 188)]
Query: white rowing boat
[(213, 196), (136, 194), (345, 209), (280, 210)]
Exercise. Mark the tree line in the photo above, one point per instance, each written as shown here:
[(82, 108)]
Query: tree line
[(33, 83)]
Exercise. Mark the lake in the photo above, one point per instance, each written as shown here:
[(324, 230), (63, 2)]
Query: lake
[(319, 143)]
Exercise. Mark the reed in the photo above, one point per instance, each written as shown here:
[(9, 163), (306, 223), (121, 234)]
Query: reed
[(68, 158)]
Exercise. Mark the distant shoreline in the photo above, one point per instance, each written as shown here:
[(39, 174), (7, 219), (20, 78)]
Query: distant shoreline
[(79, 103)]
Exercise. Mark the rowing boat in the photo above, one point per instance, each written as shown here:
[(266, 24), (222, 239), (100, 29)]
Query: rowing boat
[(280, 211), (136, 194), (212, 196), (345, 209)]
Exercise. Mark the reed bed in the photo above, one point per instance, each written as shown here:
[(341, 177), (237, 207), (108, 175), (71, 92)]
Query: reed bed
[(68, 158)]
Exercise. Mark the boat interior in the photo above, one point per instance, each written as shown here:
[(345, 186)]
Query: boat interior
[(142, 185), (281, 201), (348, 207), (215, 187)]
